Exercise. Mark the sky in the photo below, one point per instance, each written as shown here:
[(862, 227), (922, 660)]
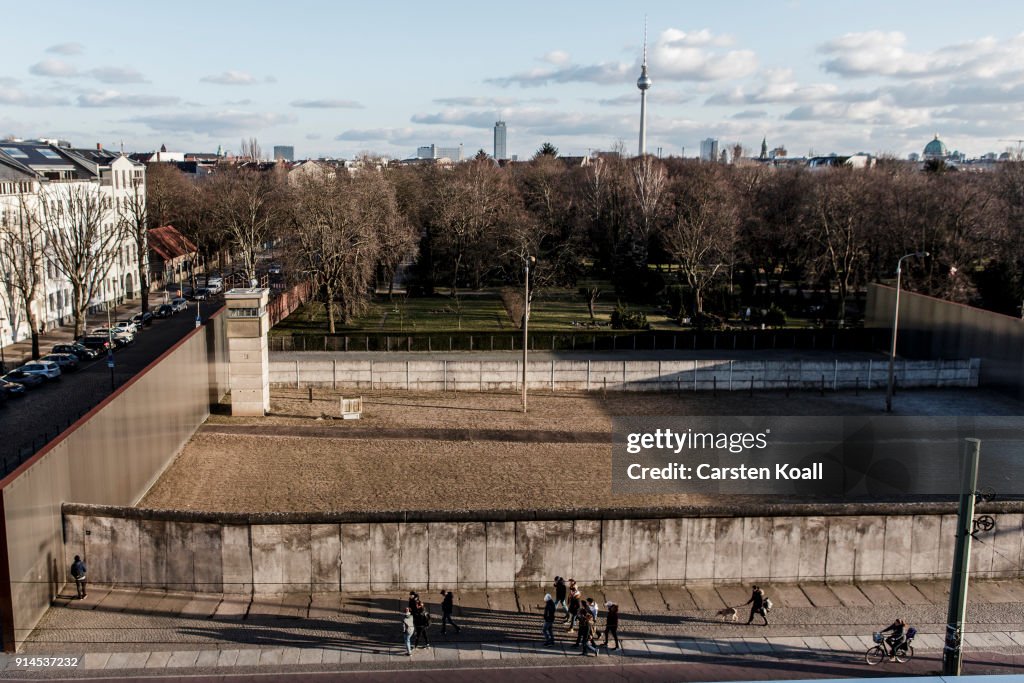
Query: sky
[(341, 78)]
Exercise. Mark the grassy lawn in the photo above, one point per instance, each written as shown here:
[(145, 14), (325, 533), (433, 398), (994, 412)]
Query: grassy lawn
[(552, 310)]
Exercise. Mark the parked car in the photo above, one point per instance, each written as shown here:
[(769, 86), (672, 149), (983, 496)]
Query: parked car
[(120, 337), (143, 319), (164, 311), (179, 304), (11, 389), (26, 379), (98, 345), (81, 351), (201, 294), (67, 362), (46, 369), (127, 326), (275, 269)]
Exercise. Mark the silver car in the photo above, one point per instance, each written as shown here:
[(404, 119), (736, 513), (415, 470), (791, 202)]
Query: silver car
[(42, 368)]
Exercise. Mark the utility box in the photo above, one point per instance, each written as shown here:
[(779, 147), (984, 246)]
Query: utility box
[(248, 359)]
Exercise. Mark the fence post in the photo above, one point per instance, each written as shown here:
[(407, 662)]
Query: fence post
[(659, 375), (751, 385), (552, 372), (334, 374), (371, 374), (870, 363), (822, 390), (296, 374), (714, 385), (409, 344), (346, 342), (588, 375), (624, 374), (695, 373), (730, 368), (310, 388), (367, 338), (407, 375), (445, 375)]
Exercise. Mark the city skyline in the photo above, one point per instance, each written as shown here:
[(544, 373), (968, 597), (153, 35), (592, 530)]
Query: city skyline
[(850, 77)]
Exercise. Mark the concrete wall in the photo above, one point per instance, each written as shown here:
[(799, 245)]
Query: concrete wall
[(224, 553), (584, 375), (111, 456), (933, 328)]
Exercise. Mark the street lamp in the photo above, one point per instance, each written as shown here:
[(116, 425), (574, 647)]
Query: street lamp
[(3, 361), (895, 326), (527, 260)]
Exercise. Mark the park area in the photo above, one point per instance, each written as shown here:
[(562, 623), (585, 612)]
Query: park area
[(464, 452)]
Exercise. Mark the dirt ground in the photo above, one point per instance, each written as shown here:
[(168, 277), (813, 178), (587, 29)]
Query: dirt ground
[(252, 469)]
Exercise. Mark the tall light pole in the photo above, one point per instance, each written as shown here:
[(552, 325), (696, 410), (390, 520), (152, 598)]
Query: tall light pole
[(3, 361), (527, 260), (895, 326)]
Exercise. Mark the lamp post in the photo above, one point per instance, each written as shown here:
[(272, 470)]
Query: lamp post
[(3, 361), (895, 327), (527, 260), (110, 349)]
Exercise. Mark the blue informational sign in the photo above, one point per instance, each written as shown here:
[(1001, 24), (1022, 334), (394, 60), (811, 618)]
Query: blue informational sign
[(110, 360)]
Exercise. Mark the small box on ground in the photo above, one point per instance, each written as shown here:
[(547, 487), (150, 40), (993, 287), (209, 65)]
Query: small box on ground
[(351, 408)]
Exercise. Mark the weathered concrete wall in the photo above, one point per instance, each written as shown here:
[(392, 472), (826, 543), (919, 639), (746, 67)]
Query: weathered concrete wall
[(188, 551), (111, 456), (583, 375), (933, 328)]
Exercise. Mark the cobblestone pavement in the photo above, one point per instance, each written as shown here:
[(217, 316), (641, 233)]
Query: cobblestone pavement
[(825, 628)]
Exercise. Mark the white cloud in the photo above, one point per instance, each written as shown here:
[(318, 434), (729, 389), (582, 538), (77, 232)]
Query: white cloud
[(492, 102), (113, 98), (54, 68), (395, 136), (327, 104), (678, 55), (539, 121), (19, 98), (216, 124), (231, 77), (66, 48), (604, 73), (556, 57), (654, 98), (879, 53), (116, 74)]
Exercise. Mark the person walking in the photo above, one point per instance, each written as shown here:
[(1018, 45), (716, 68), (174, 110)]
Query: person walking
[(413, 599), (408, 629), (78, 574), (756, 603), (611, 624), (549, 620), (586, 632), (582, 614), (421, 620), (574, 605), (560, 591), (447, 604)]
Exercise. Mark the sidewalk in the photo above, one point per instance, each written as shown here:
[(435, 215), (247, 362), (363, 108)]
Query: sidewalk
[(829, 625), (20, 352)]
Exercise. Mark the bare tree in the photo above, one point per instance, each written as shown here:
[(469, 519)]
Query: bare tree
[(134, 219), (84, 241), (397, 236), (702, 234), (21, 266), (251, 150), (649, 181), (245, 203)]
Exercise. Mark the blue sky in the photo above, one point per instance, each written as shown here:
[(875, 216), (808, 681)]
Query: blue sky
[(340, 78)]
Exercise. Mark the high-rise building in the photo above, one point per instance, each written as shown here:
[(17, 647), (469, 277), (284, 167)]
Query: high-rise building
[(709, 149), (435, 152), (644, 84), (500, 151), (284, 153)]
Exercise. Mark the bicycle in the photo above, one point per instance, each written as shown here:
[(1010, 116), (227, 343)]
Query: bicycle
[(903, 652)]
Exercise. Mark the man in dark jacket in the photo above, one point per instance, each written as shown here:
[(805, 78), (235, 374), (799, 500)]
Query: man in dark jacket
[(78, 574), (756, 603), (611, 624), (447, 604), (420, 622), (560, 592), (897, 637), (549, 620)]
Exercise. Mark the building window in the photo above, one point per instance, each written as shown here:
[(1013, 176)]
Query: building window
[(243, 312), (52, 304)]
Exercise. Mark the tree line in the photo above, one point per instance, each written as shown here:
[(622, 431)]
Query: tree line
[(702, 238)]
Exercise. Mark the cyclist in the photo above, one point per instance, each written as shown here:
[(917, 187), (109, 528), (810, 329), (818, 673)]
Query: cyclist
[(897, 638)]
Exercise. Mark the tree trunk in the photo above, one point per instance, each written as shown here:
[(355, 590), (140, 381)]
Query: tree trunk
[(330, 310)]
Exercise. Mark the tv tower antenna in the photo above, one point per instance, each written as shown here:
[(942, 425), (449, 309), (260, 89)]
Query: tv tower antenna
[(644, 84)]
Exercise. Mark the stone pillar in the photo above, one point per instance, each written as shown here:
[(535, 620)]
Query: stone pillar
[(248, 360)]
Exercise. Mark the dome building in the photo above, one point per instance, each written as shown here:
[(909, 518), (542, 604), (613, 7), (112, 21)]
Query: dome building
[(936, 149)]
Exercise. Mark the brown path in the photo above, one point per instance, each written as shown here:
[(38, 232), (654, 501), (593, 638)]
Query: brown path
[(344, 431)]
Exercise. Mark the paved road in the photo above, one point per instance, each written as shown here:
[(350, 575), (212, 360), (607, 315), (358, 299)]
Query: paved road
[(669, 633), (30, 421)]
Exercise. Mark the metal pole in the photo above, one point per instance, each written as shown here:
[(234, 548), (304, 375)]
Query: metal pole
[(526, 319), (895, 326), (952, 654)]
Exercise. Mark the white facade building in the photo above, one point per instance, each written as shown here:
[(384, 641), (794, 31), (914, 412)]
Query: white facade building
[(32, 173)]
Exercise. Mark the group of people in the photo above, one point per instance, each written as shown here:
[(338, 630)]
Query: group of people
[(581, 614), (417, 619)]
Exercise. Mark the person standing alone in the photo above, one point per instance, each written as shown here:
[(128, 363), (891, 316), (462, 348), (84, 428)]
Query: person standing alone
[(78, 574)]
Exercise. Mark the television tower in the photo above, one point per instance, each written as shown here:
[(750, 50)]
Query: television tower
[(644, 84)]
